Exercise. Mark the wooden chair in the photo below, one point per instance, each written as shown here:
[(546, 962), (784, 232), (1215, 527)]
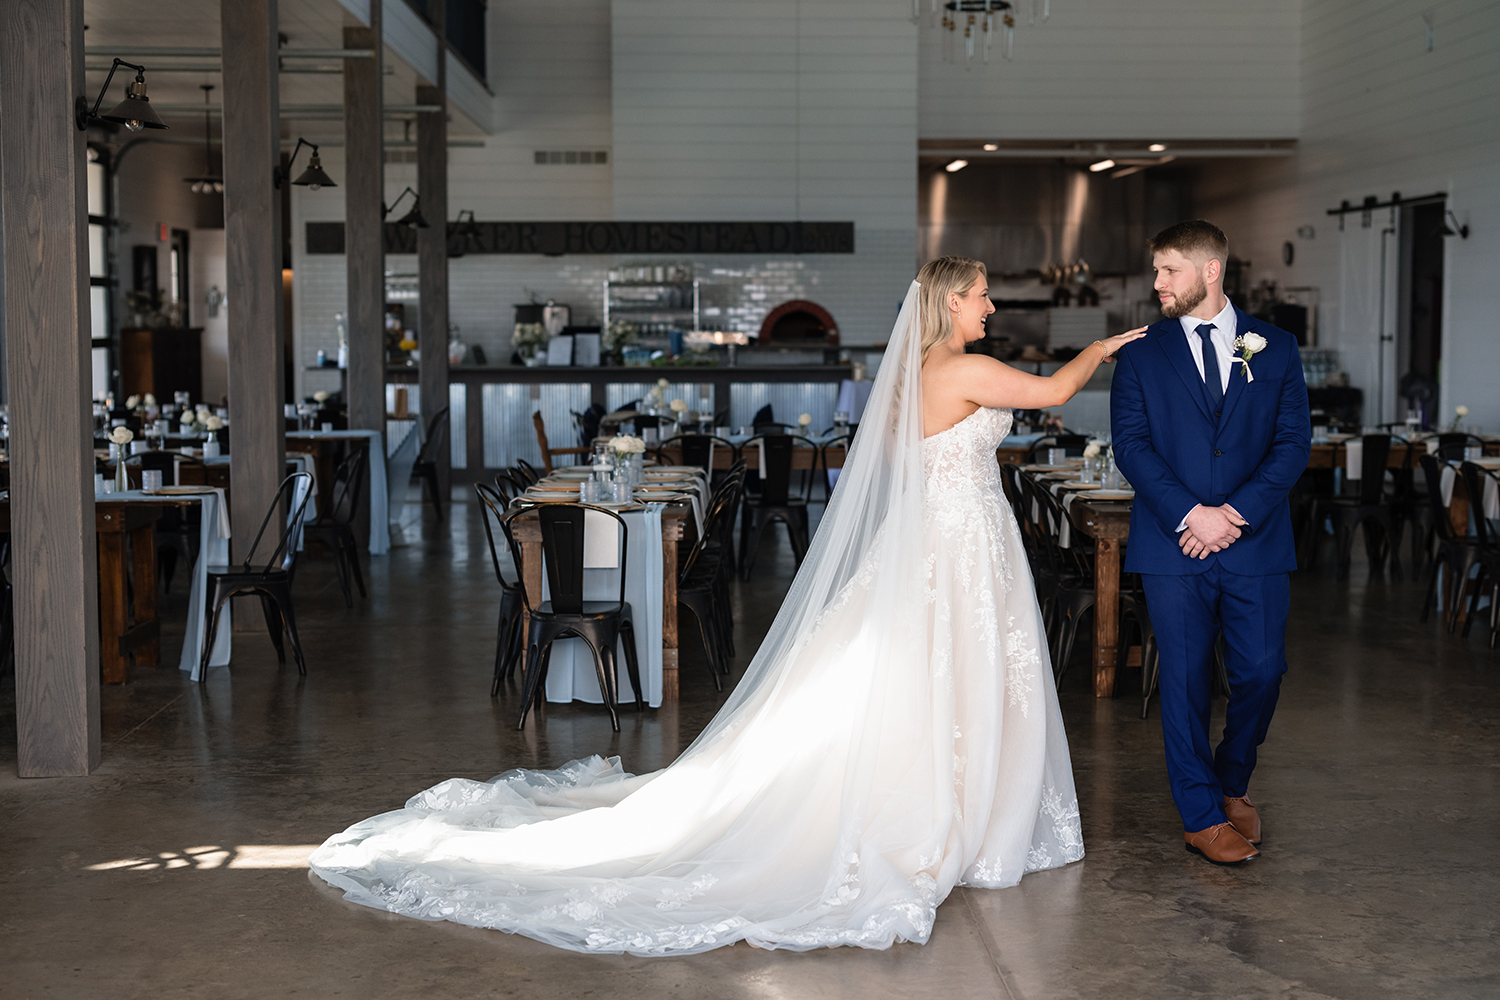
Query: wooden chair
[(547, 450)]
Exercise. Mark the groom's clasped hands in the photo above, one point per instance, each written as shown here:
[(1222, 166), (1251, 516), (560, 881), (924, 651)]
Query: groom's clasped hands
[(1210, 529)]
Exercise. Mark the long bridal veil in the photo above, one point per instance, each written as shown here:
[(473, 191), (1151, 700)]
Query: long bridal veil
[(817, 808)]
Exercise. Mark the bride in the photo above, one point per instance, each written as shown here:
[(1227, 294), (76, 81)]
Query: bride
[(896, 734)]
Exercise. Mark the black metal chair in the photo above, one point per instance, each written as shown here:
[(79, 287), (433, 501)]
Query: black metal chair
[(528, 472), (493, 504), (1375, 505), (1068, 576), (838, 444), (273, 582), (1453, 446), (177, 527), (775, 502), (698, 590), (698, 450), (1487, 551), (426, 464), (335, 529), (1455, 553), (601, 624)]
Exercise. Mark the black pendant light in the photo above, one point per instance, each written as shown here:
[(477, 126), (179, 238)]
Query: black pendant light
[(135, 112), (209, 183)]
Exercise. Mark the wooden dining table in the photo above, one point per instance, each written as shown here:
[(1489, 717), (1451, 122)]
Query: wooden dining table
[(1108, 524), (129, 627)]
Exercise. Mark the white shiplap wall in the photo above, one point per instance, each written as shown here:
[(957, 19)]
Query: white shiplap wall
[(775, 110), (1382, 114), (1213, 69)]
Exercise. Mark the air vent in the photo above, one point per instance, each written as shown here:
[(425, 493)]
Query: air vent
[(551, 156)]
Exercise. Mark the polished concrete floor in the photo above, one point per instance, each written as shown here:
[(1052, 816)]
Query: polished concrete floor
[(176, 869)]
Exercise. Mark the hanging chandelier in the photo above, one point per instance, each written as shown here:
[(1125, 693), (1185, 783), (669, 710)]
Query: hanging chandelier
[(983, 21), (210, 182)]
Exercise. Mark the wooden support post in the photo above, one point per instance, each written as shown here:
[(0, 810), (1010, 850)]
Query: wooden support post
[(432, 254), (252, 234), (51, 432), (364, 250)]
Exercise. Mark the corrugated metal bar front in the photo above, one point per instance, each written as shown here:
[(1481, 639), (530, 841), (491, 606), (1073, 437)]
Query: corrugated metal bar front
[(508, 430), (787, 400)]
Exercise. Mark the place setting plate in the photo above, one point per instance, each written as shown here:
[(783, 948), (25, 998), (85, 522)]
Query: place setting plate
[(1097, 494)]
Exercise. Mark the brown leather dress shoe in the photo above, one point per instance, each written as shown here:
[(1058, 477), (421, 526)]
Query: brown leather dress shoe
[(1220, 844), (1243, 817)]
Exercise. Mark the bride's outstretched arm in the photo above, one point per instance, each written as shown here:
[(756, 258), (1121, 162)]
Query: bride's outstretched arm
[(989, 382)]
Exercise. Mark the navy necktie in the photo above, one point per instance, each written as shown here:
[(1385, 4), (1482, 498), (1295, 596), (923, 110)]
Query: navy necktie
[(1211, 380)]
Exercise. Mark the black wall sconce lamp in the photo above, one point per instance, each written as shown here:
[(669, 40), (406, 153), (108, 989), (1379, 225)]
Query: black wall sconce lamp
[(135, 112), (313, 177), (412, 218), (467, 231), (1451, 226)]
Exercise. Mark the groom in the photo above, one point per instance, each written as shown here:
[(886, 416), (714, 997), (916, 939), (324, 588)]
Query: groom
[(1210, 423)]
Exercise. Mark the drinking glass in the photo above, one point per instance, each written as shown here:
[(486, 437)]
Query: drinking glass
[(150, 480), (841, 422), (619, 491)]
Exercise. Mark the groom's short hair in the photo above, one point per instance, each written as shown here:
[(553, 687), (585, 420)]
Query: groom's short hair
[(1196, 239)]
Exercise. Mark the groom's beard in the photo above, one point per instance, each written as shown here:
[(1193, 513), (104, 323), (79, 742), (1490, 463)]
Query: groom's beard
[(1187, 302)]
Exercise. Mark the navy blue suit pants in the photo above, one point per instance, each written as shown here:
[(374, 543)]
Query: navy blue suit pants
[(1187, 614)]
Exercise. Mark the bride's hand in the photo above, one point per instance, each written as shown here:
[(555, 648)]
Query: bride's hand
[(1113, 344)]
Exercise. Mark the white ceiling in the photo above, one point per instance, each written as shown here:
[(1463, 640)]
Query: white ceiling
[(308, 24)]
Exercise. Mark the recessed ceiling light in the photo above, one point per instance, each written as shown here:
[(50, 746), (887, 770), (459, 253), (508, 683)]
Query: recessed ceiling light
[(956, 166), (1101, 165), (990, 147), (1157, 147)]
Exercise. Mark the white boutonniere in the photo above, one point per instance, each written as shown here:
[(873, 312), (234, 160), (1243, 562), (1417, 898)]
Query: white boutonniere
[(1248, 345)]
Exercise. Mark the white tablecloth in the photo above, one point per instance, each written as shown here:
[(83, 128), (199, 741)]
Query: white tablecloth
[(570, 674), (380, 524)]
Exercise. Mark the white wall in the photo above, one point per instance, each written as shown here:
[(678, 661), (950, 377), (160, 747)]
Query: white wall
[(1383, 114), (775, 110), (208, 270), (1124, 69)]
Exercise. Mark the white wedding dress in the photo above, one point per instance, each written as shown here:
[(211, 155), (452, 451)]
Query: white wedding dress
[(896, 735)]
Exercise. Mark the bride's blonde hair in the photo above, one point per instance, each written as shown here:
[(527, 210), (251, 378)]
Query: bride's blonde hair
[(938, 278)]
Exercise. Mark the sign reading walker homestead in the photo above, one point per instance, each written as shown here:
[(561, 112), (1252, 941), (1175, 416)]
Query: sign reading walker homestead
[(557, 238)]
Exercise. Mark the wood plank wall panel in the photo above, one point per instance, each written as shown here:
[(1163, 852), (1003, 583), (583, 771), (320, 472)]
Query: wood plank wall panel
[(364, 189), (252, 236), (47, 321)]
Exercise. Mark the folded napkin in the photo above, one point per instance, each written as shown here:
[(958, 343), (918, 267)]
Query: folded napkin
[(1354, 458), (601, 541)]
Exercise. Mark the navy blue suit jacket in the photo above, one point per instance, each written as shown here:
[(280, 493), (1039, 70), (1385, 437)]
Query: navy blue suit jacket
[(1175, 453)]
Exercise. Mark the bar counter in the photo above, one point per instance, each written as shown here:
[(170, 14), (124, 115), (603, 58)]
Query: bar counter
[(491, 407)]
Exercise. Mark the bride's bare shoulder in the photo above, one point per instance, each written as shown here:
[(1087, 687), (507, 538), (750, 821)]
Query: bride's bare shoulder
[(959, 369)]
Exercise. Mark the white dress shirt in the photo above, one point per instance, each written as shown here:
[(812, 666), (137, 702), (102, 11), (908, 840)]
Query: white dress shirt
[(1222, 338)]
